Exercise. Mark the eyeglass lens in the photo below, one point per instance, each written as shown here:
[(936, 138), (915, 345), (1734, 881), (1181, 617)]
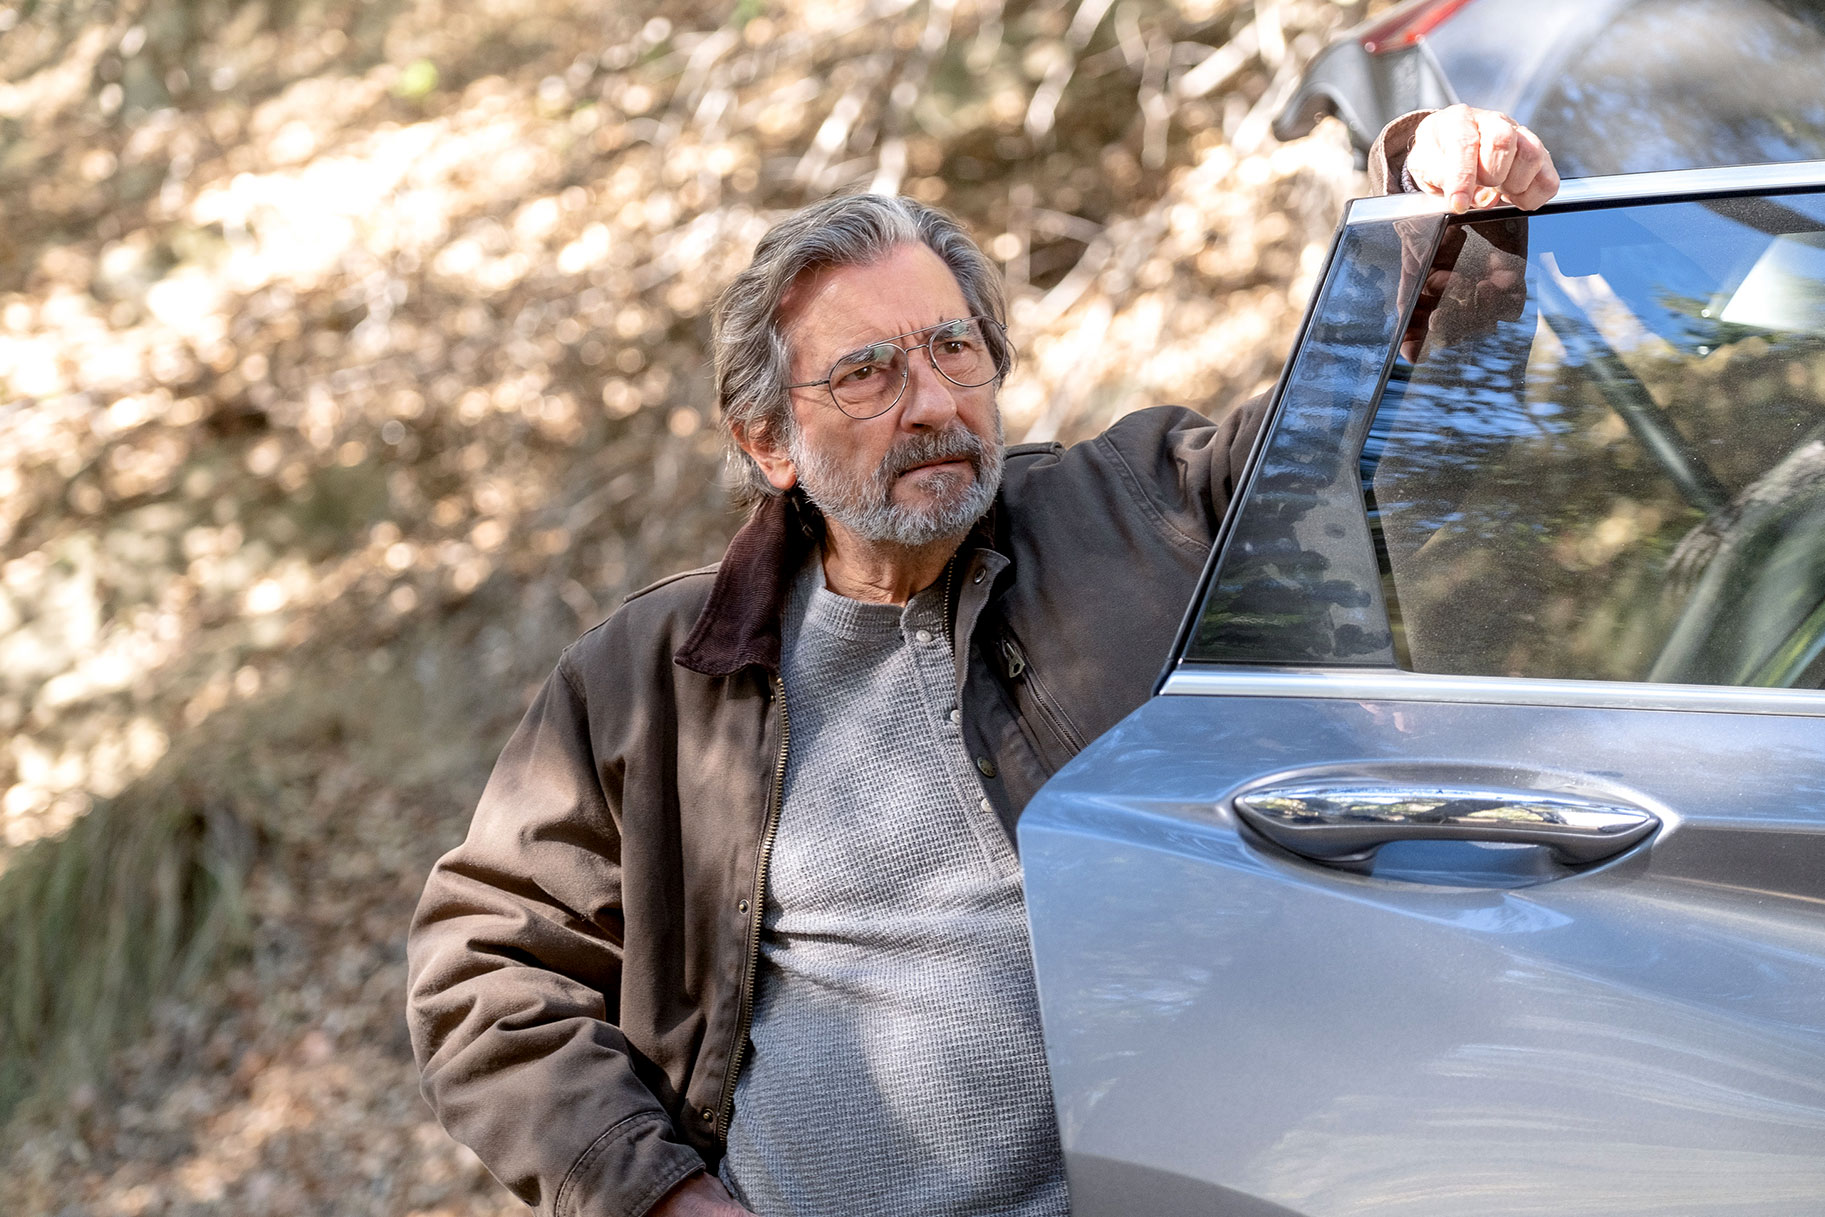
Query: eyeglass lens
[(869, 381)]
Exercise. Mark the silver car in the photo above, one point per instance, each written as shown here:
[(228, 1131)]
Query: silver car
[(1611, 86), (1470, 858)]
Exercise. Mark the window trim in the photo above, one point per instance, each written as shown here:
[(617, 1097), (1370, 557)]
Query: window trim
[(1194, 608), (1393, 684), (1647, 679), (1667, 186), (1309, 398), (1372, 678)]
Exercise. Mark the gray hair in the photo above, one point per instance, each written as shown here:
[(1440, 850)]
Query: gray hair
[(752, 360)]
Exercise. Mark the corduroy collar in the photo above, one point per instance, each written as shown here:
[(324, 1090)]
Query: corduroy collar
[(740, 624)]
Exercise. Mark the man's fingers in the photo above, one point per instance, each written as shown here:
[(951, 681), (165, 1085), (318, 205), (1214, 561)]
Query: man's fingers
[(1530, 158), (1544, 187), (1533, 180), (1477, 158), (1497, 142), (1459, 150), (1463, 154)]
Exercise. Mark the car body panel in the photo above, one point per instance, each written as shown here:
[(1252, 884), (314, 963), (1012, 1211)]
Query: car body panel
[(1441, 1026), (1247, 1028)]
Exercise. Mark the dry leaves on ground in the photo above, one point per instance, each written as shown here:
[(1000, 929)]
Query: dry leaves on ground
[(351, 362)]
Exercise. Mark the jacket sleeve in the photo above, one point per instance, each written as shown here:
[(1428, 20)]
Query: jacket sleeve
[(1182, 469), (514, 965), (1388, 155)]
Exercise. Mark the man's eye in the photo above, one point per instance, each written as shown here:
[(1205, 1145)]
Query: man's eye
[(859, 374)]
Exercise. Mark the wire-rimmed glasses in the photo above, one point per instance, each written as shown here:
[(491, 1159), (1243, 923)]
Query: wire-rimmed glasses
[(969, 352)]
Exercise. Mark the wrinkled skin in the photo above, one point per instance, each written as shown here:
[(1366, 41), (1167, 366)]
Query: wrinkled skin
[(1479, 158)]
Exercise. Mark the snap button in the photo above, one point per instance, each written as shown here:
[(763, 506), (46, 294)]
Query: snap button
[(708, 1115), (986, 765), (978, 578), (741, 907)]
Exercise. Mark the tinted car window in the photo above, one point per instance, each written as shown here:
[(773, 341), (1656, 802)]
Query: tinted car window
[(1298, 582), (1601, 454)]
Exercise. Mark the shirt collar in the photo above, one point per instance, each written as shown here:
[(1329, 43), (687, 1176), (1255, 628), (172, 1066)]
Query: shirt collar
[(740, 624)]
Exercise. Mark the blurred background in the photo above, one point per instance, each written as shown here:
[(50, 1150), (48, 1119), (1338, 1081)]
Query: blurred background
[(352, 363)]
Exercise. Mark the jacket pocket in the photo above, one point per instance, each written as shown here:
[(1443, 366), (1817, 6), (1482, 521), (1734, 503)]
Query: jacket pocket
[(1035, 701)]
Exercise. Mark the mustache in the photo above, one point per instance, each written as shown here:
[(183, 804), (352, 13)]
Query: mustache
[(952, 444)]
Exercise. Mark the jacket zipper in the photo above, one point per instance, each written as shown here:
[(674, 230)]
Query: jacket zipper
[(1017, 666), (725, 1111), (950, 572)]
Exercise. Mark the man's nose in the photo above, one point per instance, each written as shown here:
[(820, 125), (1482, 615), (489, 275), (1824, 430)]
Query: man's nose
[(930, 399)]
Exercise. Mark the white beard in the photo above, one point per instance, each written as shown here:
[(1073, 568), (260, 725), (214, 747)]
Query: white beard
[(866, 508)]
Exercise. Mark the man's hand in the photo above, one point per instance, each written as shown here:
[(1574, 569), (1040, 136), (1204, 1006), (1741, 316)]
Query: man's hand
[(701, 1195), (1477, 158)]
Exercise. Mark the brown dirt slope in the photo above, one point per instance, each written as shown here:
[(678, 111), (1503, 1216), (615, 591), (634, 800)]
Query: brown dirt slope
[(351, 363)]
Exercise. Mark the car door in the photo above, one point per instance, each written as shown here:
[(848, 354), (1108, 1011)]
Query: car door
[(1471, 858)]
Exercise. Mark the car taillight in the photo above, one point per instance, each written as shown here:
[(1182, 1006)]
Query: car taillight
[(1407, 24)]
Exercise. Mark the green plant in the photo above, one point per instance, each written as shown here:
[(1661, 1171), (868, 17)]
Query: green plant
[(137, 900)]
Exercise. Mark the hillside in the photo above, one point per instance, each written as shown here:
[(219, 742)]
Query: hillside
[(352, 362)]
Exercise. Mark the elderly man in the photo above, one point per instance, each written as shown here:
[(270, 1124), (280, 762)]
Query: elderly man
[(738, 927)]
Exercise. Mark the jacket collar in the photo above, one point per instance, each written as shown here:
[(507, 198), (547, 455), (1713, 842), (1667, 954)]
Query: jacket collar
[(740, 624)]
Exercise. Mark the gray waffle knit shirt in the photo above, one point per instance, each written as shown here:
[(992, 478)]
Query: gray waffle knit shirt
[(896, 1062)]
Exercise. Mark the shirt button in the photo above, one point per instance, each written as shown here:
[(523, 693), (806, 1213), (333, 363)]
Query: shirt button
[(986, 766), (987, 806), (923, 635), (956, 716)]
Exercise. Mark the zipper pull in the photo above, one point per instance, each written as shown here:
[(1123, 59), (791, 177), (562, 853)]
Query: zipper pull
[(1013, 659)]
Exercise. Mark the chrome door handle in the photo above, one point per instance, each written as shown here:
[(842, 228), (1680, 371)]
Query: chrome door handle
[(1347, 821)]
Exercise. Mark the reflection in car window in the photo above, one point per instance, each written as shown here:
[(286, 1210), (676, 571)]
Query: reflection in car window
[(1602, 453)]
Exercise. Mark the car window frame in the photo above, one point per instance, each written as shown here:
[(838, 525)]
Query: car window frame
[(1185, 673)]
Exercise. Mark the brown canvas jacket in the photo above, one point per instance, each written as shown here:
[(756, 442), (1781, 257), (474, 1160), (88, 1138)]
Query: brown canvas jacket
[(582, 965)]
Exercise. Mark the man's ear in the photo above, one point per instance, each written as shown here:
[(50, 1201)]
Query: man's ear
[(775, 464)]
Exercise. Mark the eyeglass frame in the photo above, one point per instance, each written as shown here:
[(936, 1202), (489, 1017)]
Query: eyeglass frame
[(1003, 362)]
